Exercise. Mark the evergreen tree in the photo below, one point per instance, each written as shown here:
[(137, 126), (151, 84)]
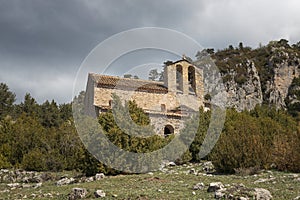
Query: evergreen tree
[(50, 114), (7, 98)]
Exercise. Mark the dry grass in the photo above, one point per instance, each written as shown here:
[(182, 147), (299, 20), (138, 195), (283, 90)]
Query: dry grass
[(174, 183)]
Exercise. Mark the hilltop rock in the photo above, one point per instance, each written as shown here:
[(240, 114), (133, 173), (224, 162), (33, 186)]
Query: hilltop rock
[(244, 95), (253, 77), (284, 73)]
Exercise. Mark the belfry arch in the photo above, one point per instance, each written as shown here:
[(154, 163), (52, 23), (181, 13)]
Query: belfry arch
[(192, 79), (179, 78)]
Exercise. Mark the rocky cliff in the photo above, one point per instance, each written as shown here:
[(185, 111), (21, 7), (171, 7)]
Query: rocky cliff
[(246, 95), (267, 75)]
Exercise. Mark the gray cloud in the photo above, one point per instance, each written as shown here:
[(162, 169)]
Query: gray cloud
[(42, 43)]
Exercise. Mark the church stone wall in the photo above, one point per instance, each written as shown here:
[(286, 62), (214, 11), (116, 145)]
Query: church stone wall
[(159, 123), (147, 101), (187, 91)]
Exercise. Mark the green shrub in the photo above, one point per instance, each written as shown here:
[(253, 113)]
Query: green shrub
[(286, 155), (201, 127), (4, 164), (257, 140), (186, 157), (240, 144), (34, 160)]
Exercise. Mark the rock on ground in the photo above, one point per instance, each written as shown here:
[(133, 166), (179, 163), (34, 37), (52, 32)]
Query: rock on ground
[(199, 186), (215, 186), (262, 194), (99, 193), (99, 176), (208, 167), (65, 181), (220, 194), (77, 193)]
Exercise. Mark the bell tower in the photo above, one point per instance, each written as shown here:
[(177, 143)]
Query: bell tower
[(182, 77)]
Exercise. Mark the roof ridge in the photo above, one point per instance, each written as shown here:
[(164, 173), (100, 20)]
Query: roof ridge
[(129, 79)]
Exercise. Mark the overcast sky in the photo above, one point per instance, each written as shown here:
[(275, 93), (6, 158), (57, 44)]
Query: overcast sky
[(44, 42)]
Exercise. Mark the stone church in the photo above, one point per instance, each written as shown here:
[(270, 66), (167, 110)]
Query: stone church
[(167, 103)]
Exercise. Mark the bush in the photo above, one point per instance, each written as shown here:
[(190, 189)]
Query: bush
[(35, 160), (257, 140), (4, 164), (286, 154), (240, 145), (186, 157), (202, 126)]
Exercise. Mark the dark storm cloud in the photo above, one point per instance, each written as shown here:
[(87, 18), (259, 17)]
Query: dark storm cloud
[(42, 43)]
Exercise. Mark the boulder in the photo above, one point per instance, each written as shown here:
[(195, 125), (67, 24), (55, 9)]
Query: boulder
[(192, 171), (213, 187), (199, 186), (220, 194), (47, 195), (77, 193), (171, 164), (14, 185), (208, 167), (263, 180), (99, 193), (65, 181), (89, 179), (38, 185), (262, 194), (99, 176), (24, 185)]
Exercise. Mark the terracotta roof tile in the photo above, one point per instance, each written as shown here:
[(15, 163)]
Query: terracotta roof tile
[(104, 81)]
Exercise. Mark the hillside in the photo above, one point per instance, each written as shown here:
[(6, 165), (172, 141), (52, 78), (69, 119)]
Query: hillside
[(266, 75)]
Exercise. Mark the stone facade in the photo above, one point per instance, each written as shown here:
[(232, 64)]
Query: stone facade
[(167, 103)]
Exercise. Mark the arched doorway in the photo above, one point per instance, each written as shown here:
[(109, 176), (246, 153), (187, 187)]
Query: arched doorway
[(168, 130)]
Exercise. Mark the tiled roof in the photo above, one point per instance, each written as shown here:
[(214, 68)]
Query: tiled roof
[(114, 82)]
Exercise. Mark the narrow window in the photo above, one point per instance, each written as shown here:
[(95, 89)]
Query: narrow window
[(191, 79), (179, 80), (110, 103), (163, 107)]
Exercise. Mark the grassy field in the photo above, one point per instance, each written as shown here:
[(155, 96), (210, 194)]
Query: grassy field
[(172, 183)]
